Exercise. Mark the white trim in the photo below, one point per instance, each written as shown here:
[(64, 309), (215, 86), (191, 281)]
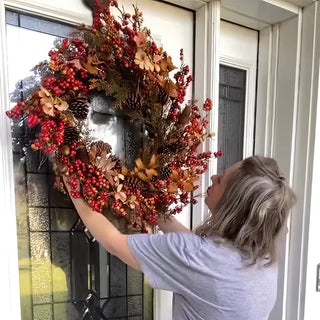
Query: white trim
[(212, 89), (162, 302), (296, 96), (292, 167), (264, 92), (274, 77), (292, 163), (206, 85), (313, 258), (312, 306), (267, 91), (306, 128), (270, 96), (228, 14), (200, 72), (284, 5), (48, 11), (189, 4), (10, 289)]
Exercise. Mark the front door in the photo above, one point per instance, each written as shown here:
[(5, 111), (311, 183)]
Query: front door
[(63, 273)]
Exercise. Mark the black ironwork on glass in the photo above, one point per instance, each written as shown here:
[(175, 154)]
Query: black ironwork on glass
[(232, 92), (64, 272)]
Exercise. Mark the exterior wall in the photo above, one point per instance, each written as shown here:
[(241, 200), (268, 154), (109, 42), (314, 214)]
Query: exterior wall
[(312, 306), (309, 100), (285, 129)]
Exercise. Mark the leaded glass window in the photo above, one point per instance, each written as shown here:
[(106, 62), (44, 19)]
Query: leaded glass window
[(232, 93), (64, 273)]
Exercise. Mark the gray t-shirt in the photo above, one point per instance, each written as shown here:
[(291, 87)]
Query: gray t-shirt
[(210, 281)]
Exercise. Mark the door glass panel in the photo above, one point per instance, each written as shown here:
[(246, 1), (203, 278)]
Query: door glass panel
[(63, 273), (232, 92)]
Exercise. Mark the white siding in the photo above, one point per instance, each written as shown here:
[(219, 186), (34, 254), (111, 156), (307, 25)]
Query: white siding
[(286, 120)]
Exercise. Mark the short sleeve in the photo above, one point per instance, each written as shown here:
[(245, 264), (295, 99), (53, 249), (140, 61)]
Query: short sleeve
[(164, 259)]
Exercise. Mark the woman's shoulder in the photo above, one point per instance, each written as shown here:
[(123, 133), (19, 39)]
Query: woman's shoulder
[(197, 246)]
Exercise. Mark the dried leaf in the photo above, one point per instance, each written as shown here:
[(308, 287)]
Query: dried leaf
[(170, 65), (47, 107), (107, 165), (185, 115), (77, 64), (90, 65), (139, 164), (143, 177), (61, 105), (125, 171), (173, 187), (120, 196), (170, 87), (151, 172), (187, 186), (153, 162)]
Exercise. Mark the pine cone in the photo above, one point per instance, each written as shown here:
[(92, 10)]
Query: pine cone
[(79, 107), (82, 153), (118, 165), (171, 148), (97, 148), (165, 172), (68, 96), (133, 103), (132, 184), (71, 135), (163, 96), (177, 146), (164, 149)]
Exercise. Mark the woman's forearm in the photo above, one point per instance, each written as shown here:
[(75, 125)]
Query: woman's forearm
[(171, 225), (99, 226), (104, 231)]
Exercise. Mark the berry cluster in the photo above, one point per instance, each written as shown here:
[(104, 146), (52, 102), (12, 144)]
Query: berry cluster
[(67, 81), (207, 105), (182, 79), (17, 111), (51, 136)]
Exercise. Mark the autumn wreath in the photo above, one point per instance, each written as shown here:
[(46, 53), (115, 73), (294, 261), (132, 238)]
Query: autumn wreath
[(117, 57)]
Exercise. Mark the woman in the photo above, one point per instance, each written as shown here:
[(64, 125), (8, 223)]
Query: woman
[(227, 268)]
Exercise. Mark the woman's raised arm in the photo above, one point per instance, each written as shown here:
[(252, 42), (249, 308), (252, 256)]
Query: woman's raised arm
[(104, 231)]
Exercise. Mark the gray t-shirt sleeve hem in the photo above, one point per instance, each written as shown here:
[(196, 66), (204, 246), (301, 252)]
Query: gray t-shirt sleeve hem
[(135, 251)]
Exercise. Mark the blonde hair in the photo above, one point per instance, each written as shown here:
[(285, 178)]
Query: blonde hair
[(253, 209)]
